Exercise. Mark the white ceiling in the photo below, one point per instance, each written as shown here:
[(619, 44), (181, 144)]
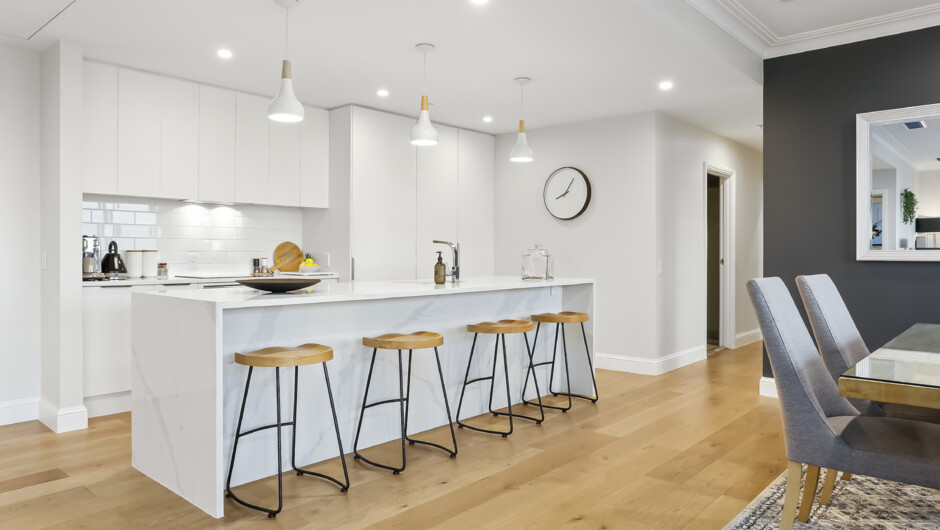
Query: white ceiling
[(781, 27), (588, 58), (920, 147), (21, 21)]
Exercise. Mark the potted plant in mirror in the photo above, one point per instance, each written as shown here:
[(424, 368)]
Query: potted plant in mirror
[(908, 206)]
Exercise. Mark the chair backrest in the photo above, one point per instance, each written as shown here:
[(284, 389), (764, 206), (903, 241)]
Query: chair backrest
[(840, 343), (808, 395)]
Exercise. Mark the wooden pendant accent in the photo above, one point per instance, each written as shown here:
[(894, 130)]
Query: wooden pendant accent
[(424, 103), (522, 126), (285, 69)]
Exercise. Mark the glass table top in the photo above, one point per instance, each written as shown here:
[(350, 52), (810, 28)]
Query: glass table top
[(912, 358)]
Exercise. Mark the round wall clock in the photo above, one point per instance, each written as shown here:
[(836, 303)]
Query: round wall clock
[(567, 193)]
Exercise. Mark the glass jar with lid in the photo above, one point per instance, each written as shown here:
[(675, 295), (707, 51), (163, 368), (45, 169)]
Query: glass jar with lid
[(538, 264)]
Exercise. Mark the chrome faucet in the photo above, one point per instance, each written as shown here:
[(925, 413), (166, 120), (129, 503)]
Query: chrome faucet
[(455, 269)]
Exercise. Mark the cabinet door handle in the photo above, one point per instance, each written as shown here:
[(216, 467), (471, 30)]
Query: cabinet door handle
[(219, 286), (116, 286), (353, 276), (175, 284)]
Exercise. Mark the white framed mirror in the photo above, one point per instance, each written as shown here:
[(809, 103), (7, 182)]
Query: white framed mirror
[(898, 184)]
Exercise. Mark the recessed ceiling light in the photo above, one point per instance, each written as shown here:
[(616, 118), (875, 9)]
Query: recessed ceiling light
[(665, 85), (225, 53), (487, 119), (382, 93)]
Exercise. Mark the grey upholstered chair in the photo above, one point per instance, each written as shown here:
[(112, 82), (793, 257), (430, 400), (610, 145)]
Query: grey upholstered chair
[(821, 428), (841, 345)]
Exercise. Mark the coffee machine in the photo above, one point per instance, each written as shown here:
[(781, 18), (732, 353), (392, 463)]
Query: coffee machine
[(91, 258)]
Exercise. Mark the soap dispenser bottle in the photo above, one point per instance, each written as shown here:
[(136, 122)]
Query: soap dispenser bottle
[(440, 270)]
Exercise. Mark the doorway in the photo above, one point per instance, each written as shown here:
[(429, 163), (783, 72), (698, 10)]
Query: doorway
[(713, 265), (719, 264)]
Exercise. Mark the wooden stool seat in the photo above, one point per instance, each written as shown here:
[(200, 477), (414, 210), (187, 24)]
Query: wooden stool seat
[(278, 357), (565, 317), (413, 341), (502, 327)]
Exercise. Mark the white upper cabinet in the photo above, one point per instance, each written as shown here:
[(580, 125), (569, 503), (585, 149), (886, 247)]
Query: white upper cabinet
[(138, 151), (475, 204), (99, 170), (216, 144), (437, 200), (252, 149), (179, 139), (285, 164), (153, 136), (383, 196), (315, 158)]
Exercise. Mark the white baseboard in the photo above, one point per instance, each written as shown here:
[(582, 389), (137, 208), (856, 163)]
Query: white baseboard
[(640, 365), (108, 404), (748, 337), (19, 410), (63, 419), (768, 387)]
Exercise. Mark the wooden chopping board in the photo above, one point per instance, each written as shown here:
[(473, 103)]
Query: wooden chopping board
[(287, 257)]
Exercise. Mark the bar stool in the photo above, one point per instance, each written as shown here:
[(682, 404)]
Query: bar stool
[(500, 329), (560, 319), (278, 358), (395, 341)]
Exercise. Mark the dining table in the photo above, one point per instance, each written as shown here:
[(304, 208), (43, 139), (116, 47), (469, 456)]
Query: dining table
[(906, 370)]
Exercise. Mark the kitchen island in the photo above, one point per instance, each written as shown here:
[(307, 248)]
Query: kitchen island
[(187, 390)]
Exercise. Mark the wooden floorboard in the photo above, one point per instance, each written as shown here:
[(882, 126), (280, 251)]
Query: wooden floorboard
[(687, 449)]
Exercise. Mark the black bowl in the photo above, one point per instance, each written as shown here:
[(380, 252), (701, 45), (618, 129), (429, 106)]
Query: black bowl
[(278, 284)]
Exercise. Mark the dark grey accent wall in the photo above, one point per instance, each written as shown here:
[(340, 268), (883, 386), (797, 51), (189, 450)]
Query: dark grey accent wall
[(810, 103)]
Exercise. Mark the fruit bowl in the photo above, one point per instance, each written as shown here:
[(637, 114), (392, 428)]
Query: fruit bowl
[(308, 268)]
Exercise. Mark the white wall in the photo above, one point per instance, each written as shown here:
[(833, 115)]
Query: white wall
[(613, 242), (646, 173), (905, 177), (19, 215), (681, 151), (885, 180), (928, 194)]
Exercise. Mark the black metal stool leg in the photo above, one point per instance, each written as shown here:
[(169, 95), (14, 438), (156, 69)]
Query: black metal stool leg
[(551, 374), (529, 368), (238, 430), (570, 394), (238, 434), (366, 404), (493, 375), (362, 411), (412, 441), (564, 346), (525, 385), (293, 459), (463, 389), (587, 352)]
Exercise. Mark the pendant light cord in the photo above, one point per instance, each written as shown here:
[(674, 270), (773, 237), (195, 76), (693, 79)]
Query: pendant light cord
[(286, 15), (521, 102), (425, 82)]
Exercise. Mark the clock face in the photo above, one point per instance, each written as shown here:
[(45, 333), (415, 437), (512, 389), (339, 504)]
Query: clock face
[(567, 193)]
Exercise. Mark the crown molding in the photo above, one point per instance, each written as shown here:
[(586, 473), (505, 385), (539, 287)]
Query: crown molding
[(734, 18)]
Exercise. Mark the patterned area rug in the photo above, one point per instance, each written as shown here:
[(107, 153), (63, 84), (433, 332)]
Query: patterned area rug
[(861, 503)]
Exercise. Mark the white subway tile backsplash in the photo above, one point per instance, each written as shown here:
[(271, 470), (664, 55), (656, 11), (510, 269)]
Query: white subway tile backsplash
[(223, 239)]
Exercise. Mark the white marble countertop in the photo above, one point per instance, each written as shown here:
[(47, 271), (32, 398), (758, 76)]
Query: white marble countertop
[(176, 280), (237, 297)]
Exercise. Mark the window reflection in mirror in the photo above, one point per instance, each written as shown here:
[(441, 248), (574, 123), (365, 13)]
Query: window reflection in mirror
[(904, 157)]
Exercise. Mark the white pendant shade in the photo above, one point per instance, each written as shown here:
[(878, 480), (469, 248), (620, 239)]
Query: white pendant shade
[(521, 152), (423, 133), (285, 107)]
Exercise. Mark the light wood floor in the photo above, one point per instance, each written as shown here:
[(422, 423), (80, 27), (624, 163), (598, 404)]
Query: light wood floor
[(688, 449)]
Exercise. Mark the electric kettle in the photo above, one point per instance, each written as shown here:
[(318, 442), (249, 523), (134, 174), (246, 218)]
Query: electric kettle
[(112, 264)]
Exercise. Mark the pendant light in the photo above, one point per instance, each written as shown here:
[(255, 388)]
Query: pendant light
[(285, 107), (424, 133), (521, 152)]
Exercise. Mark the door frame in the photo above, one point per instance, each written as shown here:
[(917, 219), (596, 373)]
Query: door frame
[(726, 328)]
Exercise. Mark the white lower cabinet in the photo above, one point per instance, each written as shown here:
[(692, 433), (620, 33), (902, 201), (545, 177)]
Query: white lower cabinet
[(106, 339)]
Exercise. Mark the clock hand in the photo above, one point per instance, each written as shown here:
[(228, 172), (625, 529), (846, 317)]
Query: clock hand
[(562, 195), (569, 186)]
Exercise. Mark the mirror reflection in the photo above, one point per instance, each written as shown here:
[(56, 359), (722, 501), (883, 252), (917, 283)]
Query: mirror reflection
[(905, 185)]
